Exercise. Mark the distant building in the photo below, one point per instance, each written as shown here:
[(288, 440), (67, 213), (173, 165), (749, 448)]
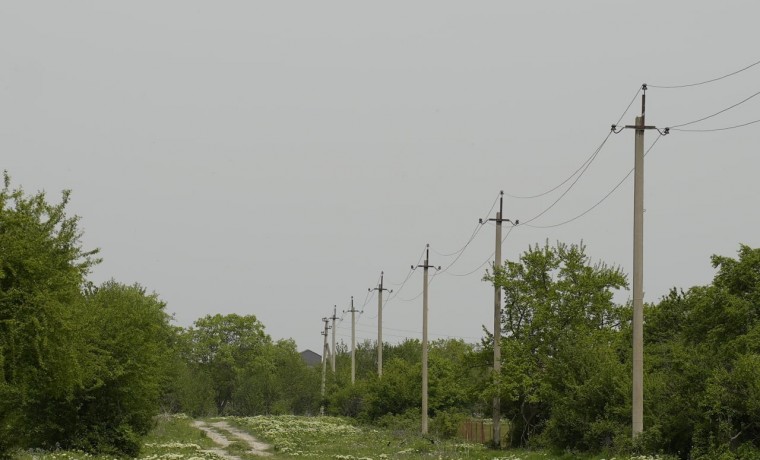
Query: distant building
[(311, 358)]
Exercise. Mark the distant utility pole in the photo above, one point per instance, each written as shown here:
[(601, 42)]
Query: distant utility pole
[(332, 355), (637, 416), (353, 341), (426, 266), (325, 351), (380, 290), (497, 323)]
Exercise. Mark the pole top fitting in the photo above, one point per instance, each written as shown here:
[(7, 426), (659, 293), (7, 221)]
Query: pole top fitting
[(644, 87)]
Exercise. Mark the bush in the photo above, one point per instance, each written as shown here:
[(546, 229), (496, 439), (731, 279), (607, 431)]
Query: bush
[(446, 423)]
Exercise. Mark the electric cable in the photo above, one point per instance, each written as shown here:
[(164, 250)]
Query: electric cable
[(572, 184), (584, 164), (472, 236), (600, 201), (408, 275), (714, 114), (706, 81), (714, 129), (430, 281), (486, 261)]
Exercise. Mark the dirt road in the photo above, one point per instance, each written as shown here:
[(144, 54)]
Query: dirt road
[(223, 434)]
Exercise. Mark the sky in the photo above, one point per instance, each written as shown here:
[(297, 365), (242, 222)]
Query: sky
[(272, 158)]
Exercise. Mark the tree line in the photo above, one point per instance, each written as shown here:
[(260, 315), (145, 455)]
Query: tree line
[(566, 383), (88, 367)]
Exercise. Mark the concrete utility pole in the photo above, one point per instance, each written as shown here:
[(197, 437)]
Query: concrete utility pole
[(325, 352), (380, 290), (637, 416), (353, 341), (497, 323), (333, 318), (426, 266)]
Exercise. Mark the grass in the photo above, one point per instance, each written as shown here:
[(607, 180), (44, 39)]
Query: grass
[(174, 438)]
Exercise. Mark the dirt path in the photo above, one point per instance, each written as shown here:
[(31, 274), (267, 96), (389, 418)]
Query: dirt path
[(214, 433)]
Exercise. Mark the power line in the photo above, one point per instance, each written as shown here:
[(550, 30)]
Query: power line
[(403, 283), (598, 149), (432, 277), (714, 114), (474, 232), (706, 81), (462, 252), (485, 261), (600, 201), (582, 166), (715, 129), (633, 99)]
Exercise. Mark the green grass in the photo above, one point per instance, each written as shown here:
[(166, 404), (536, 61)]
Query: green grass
[(174, 438)]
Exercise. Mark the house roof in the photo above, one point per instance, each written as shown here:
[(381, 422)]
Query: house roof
[(311, 358)]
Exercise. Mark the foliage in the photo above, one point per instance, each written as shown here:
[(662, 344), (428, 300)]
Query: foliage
[(88, 367), (560, 324), (42, 270), (221, 346), (129, 346), (80, 366), (706, 360), (450, 386), (318, 438), (231, 366)]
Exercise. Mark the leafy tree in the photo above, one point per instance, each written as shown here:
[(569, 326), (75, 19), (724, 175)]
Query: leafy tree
[(235, 364), (399, 391), (42, 271), (705, 355), (559, 323), (278, 382), (222, 346), (129, 349), (396, 392)]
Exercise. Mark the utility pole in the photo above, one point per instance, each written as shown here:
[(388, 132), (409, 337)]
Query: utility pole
[(426, 266), (325, 351), (637, 415), (380, 290), (353, 341), (497, 323), (332, 355)]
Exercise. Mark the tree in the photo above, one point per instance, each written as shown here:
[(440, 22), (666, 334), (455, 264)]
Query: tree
[(126, 366), (705, 363), (559, 323), (221, 348), (42, 271), (278, 381)]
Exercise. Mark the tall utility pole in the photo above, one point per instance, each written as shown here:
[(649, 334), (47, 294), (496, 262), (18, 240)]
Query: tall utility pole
[(637, 416), (333, 318), (380, 290), (426, 266), (325, 352), (353, 341), (497, 323)]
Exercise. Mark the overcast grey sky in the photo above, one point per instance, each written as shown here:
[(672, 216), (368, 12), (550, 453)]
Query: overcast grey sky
[(271, 158)]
